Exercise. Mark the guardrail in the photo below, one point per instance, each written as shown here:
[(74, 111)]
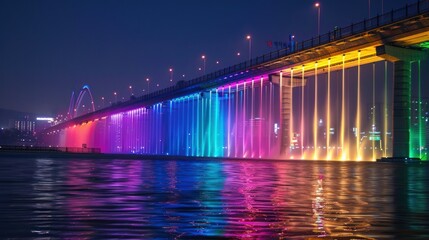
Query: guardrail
[(335, 35)]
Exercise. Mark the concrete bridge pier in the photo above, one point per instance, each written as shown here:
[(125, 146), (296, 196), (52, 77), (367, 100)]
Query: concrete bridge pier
[(285, 108), (402, 59)]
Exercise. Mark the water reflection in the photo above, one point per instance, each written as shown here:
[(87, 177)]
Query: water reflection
[(46, 198)]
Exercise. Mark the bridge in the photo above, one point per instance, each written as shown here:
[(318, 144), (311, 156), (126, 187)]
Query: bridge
[(307, 101)]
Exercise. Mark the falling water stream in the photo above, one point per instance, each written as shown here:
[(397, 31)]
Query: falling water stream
[(290, 114)]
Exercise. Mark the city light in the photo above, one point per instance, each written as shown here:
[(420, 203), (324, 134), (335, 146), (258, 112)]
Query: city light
[(45, 119)]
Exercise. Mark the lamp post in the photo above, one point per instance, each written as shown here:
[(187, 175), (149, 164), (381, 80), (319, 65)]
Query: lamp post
[(317, 5), (204, 64), (116, 96), (102, 101), (171, 74), (147, 80), (248, 37), (369, 9), (131, 90)]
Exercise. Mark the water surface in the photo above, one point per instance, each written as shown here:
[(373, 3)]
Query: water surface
[(148, 199)]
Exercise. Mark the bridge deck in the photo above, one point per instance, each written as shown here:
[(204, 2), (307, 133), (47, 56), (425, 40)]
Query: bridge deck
[(406, 27)]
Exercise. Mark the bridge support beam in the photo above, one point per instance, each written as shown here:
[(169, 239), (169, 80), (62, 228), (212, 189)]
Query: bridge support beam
[(402, 59)]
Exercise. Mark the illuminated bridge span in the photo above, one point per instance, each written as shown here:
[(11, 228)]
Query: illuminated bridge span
[(326, 98)]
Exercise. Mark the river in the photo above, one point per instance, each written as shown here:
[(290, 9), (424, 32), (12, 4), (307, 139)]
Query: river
[(196, 199)]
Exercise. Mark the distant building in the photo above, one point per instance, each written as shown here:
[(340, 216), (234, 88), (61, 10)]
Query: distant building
[(43, 123), (20, 128), (26, 125)]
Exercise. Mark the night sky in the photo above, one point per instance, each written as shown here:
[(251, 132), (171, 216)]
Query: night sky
[(50, 48)]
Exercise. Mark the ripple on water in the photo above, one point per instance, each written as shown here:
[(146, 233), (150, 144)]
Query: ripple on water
[(150, 199)]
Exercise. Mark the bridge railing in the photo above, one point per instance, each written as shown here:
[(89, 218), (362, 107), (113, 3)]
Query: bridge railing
[(366, 25), (410, 10)]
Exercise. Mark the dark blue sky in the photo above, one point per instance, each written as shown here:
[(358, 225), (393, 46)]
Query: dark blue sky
[(50, 48)]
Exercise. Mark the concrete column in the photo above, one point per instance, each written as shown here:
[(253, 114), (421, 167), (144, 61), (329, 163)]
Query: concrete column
[(401, 109), (402, 58), (286, 112), (285, 119)]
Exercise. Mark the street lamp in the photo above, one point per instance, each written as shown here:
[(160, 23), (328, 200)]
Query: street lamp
[(147, 80), (317, 5), (102, 101), (238, 54), (131, 90), (204, 63), (250, 46), (369, 9), (116, 96), (171, 74)]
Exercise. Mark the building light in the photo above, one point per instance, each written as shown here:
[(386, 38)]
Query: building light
[(45, 119)]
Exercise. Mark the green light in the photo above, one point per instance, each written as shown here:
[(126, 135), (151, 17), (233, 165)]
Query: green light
[(417, 133), (374, 138), (424, 45)]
